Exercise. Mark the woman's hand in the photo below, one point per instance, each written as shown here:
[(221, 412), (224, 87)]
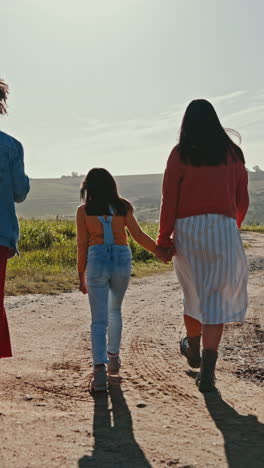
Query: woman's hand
[(83, 288), (83, 285), (165, 254)]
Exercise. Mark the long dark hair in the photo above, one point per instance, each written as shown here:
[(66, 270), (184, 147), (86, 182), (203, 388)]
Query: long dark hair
[(203, 140), (100, 195), (3, 97)]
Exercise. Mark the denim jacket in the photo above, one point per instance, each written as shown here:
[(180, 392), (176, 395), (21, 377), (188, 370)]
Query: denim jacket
[(14, 187)]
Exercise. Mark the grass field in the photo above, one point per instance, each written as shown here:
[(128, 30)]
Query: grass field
[(254, 228), (47, 261), (49, 198)]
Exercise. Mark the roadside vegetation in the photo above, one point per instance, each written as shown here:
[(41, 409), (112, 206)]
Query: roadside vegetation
[(47, 261), (254, 228)]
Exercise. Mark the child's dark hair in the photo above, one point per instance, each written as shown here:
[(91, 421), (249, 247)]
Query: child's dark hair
[(4, 90), (203, 140), (100, 195)]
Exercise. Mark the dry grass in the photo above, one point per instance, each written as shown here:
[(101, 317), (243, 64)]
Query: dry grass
[(47, 263), (56, 283), (40, 283), (254, 228)]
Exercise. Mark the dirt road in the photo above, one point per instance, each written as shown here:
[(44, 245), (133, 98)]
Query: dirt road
[(153, 416)]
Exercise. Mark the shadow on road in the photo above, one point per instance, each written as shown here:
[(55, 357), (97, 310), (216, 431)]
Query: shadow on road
[(114, 442), (243, 435)]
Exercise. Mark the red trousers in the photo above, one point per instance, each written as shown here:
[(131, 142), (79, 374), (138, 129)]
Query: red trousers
[(5, 345)]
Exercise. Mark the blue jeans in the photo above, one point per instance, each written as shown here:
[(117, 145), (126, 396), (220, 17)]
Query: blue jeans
[(108, 274)]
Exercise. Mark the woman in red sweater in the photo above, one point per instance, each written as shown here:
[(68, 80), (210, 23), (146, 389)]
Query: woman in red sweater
[(205, 199)]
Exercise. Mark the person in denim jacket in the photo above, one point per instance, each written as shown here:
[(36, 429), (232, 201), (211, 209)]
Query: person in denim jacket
[(14, 187)]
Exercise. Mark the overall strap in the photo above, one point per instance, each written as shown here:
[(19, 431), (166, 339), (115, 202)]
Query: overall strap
[(107, 227)]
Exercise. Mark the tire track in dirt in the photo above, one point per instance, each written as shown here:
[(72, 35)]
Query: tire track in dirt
[(152, 361), (157, 412)]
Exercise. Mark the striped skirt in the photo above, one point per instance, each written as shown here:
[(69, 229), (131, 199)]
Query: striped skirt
[(211, 267)]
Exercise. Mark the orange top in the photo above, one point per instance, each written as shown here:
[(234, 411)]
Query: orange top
[(90, 232)]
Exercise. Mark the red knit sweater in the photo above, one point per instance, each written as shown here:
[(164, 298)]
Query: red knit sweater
[(189, 191)]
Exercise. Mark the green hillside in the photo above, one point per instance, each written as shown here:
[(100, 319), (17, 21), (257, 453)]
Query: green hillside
[(60, 197)]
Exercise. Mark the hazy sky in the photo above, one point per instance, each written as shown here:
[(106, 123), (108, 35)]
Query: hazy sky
[(105, 82)]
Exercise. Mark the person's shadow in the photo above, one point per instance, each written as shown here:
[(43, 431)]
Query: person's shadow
[(114, 442), (243, 435)]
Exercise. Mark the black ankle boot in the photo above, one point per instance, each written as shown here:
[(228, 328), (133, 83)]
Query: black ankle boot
[(190, 348), (206, 377)]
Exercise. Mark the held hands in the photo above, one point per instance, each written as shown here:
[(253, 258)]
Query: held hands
[(165, 254)]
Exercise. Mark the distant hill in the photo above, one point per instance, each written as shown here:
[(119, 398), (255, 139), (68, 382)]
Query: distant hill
[(60, 197)]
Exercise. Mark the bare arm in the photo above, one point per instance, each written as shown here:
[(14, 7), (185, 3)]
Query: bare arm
[(139, 235)]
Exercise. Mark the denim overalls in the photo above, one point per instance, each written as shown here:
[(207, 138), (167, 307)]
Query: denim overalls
[(108, 274)]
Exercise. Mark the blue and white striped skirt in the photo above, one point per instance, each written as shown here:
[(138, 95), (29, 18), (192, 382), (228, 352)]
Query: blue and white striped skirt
[(211, 267)]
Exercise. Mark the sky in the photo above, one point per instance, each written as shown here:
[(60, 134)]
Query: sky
[(105, 82)]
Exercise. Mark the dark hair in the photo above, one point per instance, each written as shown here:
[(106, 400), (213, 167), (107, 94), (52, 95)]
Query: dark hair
[(4, 90), (100, 195), (203, 140)]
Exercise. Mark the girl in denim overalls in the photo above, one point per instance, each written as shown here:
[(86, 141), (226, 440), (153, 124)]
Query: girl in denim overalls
[(105, 257)]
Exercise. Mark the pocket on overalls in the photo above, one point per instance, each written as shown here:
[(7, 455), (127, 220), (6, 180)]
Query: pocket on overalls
[(95, 261), (122, 260)]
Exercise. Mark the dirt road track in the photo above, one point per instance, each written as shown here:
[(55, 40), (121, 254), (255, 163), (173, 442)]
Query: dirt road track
[(153, 416)]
